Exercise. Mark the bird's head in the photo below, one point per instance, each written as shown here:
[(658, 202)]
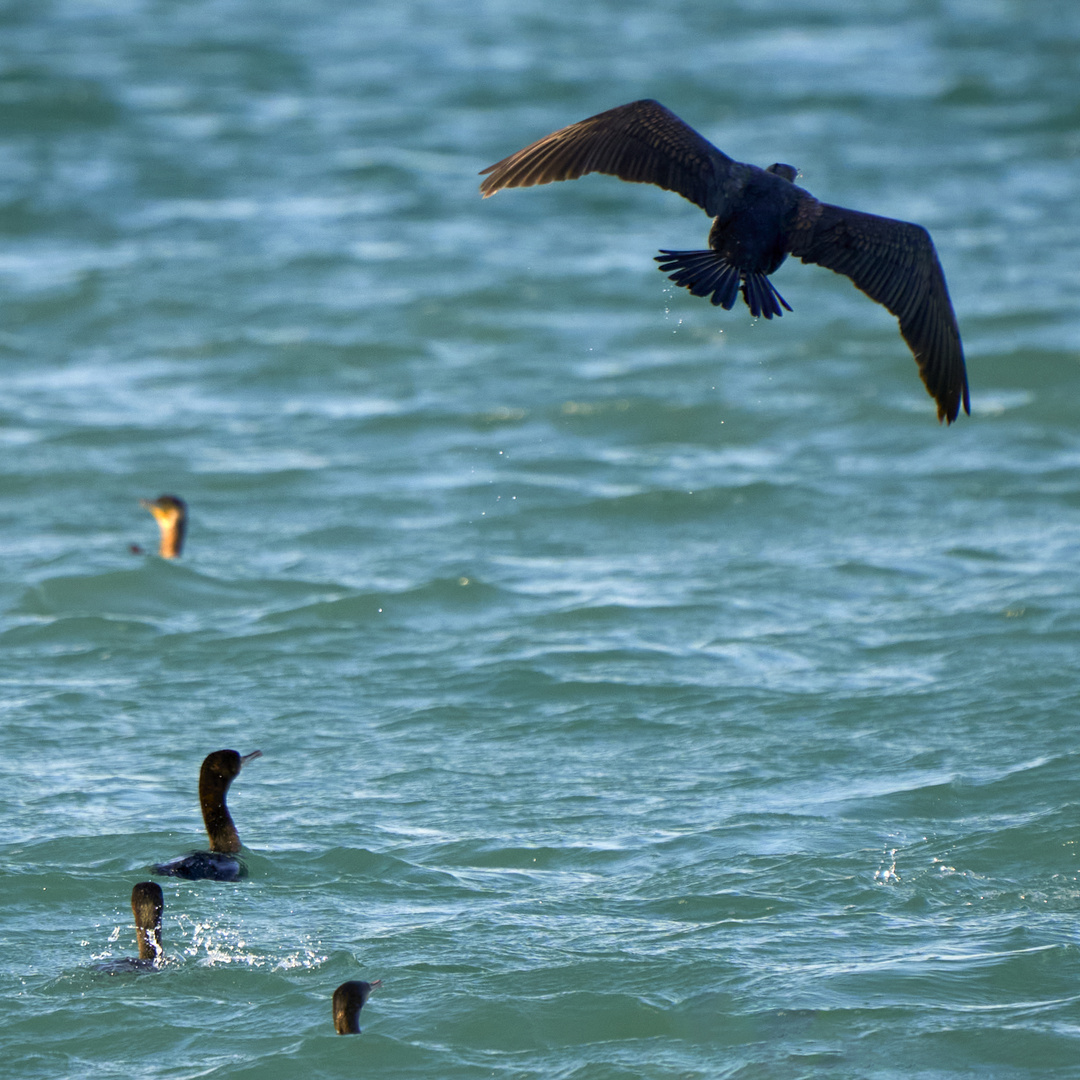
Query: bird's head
[(170, 512), (788, 172)]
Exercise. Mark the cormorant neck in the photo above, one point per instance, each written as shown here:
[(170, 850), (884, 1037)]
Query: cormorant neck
[(147, 905), (150, 947), (172, 540), (219, 823), (349, 999), (170, 513), (216, 817), (347, 1020), (218, 771)]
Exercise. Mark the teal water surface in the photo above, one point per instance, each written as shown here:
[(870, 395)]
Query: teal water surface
[(643, 690)]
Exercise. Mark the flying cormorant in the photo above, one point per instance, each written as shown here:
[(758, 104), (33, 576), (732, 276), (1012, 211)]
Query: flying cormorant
[(759, 217)]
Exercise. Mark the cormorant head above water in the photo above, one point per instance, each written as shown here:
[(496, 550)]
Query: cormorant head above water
[(349, 999), (759, 218), (170, 512), (147, 904), (218, 771)]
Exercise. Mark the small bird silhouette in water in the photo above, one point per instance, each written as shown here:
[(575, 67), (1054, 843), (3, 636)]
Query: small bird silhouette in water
[(170, 512), (349, 999), (759, 217)]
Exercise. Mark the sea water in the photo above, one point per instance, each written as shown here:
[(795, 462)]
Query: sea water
[(644, 690)]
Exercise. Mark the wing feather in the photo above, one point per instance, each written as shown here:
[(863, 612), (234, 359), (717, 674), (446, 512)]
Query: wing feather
[(641, 142), (894, 263)]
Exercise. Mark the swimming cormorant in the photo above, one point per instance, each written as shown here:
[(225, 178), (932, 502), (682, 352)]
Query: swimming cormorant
[(759, 217), (349, 999), (170, 512), (220, 863), (147, 905)]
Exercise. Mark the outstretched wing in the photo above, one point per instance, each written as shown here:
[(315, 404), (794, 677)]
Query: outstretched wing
[(894, 263), (641, 142)]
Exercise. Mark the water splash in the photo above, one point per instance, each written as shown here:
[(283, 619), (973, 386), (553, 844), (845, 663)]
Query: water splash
[(888, 875)]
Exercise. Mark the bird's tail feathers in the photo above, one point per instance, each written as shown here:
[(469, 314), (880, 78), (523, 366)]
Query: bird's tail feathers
[(702, 272), (761, 296), (705, 272)]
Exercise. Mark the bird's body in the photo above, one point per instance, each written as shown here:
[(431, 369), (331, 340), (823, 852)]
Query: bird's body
[(759, 217), (203, 866), (221, 862)]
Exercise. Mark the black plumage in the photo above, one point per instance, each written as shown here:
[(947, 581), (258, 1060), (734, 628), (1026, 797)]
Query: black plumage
[(349, 999), (222, 862), (759, 217)]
